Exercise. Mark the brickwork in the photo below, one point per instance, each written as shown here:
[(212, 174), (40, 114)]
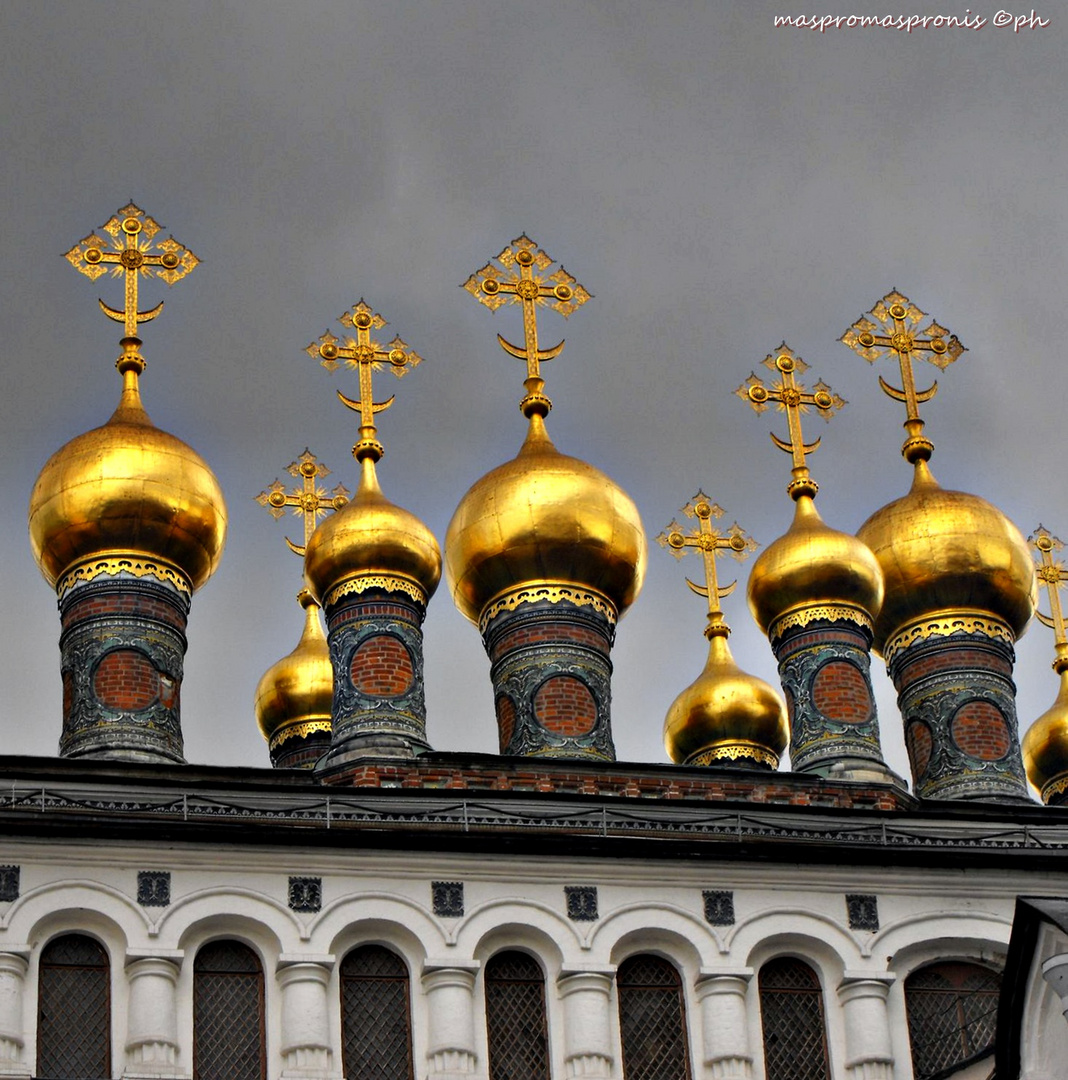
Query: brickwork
[(301, 753), (565, 706), (381, 667), (840, 690), (117, 599), (550, 671), (125, 680), (958, 704), (979, 729)]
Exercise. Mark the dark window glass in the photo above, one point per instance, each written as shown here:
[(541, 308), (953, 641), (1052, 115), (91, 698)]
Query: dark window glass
[(652, 1020), (375, 1015), (952, 1010), (228, 1029), (74, 1010), (515, 1018), (791, 1016)]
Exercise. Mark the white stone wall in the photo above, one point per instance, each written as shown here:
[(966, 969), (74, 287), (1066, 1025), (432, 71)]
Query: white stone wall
[(238, 892)]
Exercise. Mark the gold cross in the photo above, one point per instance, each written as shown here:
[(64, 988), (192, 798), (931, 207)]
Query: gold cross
[(310, 500), (495, 285), (131, 253), (1053, 575), (710, 541), (793, 399), (898, 316), (365, 356)]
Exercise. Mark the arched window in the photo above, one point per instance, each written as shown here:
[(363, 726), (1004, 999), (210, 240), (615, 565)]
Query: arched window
[(952, 1010), (652, 1020), (228, 1030), (515, 1018), (375, 1015), (74, 1009), (791, 1016)]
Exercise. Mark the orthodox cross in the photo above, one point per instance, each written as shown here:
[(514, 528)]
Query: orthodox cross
[(710, 542), (793, 399), (309, 499), (898, 317), (366, 356), (132, 252), (499, 283), (1053, 575)]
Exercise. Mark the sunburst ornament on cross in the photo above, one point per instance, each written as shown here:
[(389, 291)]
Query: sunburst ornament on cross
[(793, 399), (517, 276), (309, 500), (365, 356), (898, 318), (1052, 573)]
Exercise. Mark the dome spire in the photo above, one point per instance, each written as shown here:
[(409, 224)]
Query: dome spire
[(726, 715), (815, 592), (498, 283), (897, 316), (295, 695)]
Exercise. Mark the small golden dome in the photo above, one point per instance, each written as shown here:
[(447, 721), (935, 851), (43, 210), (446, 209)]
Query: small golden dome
[(1045, 745), (299, 688), (726, 716), (127, 488), (813, 564), (948, 551), (544, 516), (369, 536)]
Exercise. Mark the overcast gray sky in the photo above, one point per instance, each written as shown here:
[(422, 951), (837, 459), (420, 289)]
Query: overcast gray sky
[(717, 183)]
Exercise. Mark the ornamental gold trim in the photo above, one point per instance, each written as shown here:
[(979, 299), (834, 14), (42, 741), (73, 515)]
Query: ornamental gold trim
[(733, 753), (309, 727), (1054, 787), (114, 565), (827, 612), (553, 594), (365, 582), (945, 625)]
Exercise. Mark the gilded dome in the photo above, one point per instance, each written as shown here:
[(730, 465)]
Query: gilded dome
[(948, 551), (1045, 745), (299, 688), (370, 536), (544, 516), (813, 564), (127, 488), (726, 716)]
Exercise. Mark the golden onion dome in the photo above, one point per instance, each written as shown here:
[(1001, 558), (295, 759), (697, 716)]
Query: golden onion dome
[(813, 564), (127, 488), (545, 517), (298, 689), (726, 716), (948, 551), (1045, 746), (371, 536)]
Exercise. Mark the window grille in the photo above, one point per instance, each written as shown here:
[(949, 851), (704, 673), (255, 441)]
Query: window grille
[(228, 1028), (375, 1015), (515, 1018), (791, 1014), (652, 1020), (952, 1012), (74, 1010)]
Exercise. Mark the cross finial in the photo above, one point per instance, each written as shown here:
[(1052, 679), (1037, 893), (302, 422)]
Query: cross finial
[(366, 356), (308, 500), (710, 542), (793, 399), (500, 283), (898, 317), (1053, 575), (132, 251)]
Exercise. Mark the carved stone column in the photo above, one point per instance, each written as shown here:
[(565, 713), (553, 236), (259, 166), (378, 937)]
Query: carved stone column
[(869, 1055), (305, 1045), (450, 1000), (13, 967), (724, 1024), (152, 1017), (587, 1029)]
